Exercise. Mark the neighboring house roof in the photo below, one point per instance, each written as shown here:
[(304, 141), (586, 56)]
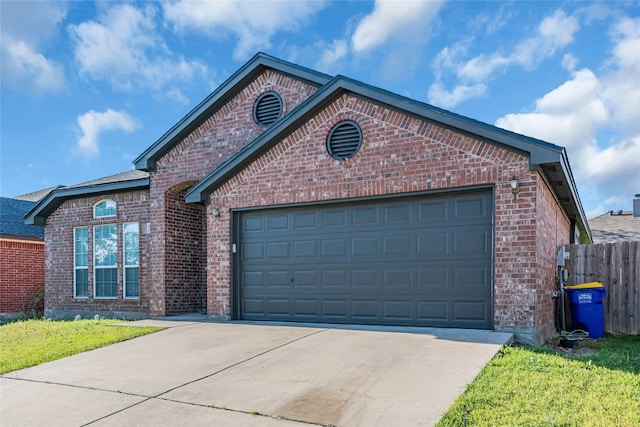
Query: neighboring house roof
[(615, 226), (36, 196), (124, 181), (227, 90), (11, 224), (551, 158)]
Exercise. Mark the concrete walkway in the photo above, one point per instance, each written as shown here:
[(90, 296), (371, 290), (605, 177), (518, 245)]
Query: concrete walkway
[(243, 374)]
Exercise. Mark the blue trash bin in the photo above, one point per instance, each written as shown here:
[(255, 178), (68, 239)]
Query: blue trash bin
[(587, 307)]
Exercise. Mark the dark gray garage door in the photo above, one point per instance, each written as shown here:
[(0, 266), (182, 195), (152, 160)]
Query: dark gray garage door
[(405, 261)]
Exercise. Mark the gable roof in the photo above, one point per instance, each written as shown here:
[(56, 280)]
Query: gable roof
[(124, 181), (227, 90), (11, 224), (615, 226), (552, 159), (36, 196)]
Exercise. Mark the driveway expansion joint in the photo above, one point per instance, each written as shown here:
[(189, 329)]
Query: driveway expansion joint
[(158, 396)]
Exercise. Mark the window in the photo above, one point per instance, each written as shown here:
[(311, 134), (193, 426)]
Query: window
[(131, 262), (105, 261), (105, 208), (81, 262)]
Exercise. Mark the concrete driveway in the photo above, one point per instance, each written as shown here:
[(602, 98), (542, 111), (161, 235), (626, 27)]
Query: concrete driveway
[(241, 374)]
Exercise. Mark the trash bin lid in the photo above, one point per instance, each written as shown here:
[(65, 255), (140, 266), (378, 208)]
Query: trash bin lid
[(586, 285)]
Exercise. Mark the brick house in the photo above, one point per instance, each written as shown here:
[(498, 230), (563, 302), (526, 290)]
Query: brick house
[(21, 259), (291, 195)]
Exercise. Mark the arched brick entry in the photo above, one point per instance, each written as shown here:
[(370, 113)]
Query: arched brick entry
[(185, 253)]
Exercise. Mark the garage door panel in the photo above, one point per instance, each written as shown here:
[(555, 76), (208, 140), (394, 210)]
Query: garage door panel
[(277, 278), (432, 211), (365, 216), (253, 278), (471, 242), (305, 308), (305, 278), (334, 247), (334, 309), (433, 277), (253, 250), (278, 222), (362, 278), (471, 277), (412, 261), (334, 218), (305, 248), (471, 311), (278, 306), (395, 278), (398, 310), (399, 213), (304, 220), (365, 309), (277, 250), (433, 311), (364, 246), (334, 278)]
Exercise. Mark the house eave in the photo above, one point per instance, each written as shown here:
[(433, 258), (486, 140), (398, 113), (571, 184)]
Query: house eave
[(41, 211)]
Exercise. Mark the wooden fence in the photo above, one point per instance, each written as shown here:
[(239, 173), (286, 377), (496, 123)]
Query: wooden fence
[(617, 266)]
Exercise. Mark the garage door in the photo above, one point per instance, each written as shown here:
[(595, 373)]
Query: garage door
[(423, 261)]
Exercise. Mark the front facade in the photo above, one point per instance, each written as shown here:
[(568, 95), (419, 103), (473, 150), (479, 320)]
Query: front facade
[(290, 195)]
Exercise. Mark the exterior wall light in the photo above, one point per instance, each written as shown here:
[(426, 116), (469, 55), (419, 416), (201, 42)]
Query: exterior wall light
[(216, 212), (515, 186)]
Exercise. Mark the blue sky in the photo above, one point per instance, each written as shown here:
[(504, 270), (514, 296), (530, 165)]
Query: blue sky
[(88, 86)]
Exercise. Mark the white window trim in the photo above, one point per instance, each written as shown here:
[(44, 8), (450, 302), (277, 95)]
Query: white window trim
[(103, 267), (125, 265), (105, 216), (75, 267)]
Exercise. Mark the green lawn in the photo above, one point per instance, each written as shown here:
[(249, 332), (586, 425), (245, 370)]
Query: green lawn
[(527, 386), (31, 342)]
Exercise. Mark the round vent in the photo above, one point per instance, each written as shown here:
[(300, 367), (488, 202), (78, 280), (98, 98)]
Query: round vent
[(267, 109), (344, 140)]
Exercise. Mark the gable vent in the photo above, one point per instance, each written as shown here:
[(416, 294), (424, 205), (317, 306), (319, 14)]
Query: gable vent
[(344, 140), (267, 109)]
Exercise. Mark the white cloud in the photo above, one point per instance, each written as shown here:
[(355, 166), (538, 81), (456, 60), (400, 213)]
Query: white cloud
[(588, 107), (331, 55), (446, 99), (25, 29), (124, 48), (253, 23), (553, 34), (392, 20), (93, 123)]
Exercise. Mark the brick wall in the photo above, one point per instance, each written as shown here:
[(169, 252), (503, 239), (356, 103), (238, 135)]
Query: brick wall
[(21, 273), (552, 230), (214, 141), (132, 206), (185, 254)]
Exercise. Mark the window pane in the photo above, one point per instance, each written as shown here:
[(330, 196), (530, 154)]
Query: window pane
[(131, 243), (81, 246), (131, 278), (105, 243), (106, 282), (82, 283), (105, 208)]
